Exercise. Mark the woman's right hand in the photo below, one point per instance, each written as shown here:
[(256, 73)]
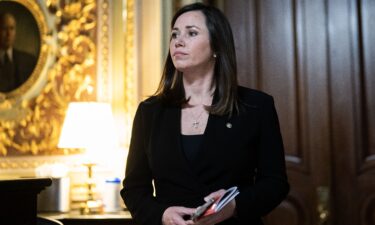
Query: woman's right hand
[(174, 215)]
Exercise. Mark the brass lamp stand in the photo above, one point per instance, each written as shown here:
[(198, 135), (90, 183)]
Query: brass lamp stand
[(91, 205)]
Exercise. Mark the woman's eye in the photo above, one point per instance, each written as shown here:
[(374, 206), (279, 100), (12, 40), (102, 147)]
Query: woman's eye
[(173, 35), (193, 33)]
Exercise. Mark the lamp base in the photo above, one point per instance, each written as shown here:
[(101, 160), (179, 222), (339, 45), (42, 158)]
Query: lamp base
[(92, 207)]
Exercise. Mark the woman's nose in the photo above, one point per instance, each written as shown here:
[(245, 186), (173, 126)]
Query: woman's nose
[(179, 42)]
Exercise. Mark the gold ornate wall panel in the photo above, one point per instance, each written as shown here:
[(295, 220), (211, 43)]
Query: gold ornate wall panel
[(31, 116)]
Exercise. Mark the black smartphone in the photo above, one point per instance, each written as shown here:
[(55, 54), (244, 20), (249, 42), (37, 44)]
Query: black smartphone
[(201, 209)]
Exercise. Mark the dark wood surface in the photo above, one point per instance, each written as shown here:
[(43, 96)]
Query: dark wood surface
[(19, 199), (317, 58)]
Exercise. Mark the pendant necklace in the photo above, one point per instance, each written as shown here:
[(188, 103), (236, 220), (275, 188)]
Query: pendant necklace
[(196, 120)]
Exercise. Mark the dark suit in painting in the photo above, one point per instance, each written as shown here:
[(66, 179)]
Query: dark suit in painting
[(245, 150), (14, 72)]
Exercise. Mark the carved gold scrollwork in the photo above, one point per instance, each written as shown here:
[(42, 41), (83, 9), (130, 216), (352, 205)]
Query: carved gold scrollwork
[(69, 68)]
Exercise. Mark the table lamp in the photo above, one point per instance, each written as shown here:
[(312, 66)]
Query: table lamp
[(89, 126)]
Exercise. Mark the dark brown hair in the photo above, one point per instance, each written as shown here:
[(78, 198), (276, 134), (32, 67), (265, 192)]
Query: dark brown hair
[(171, 89)]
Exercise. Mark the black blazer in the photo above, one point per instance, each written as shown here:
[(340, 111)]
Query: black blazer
[(21, 69), (245, 150), (25, 63)]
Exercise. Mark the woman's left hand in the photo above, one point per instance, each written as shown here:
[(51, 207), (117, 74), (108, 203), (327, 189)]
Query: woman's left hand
[(225, 213), (174, 215)]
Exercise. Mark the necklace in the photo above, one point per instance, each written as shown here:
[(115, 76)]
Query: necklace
[(195, 111), (196, 121)]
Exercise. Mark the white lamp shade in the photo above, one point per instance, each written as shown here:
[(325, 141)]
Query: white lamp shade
[(88, 125)]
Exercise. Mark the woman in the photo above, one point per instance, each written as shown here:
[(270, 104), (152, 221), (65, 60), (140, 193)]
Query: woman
[(201, 133)]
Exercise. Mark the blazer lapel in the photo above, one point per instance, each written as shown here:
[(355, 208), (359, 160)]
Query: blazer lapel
[(211, 146)]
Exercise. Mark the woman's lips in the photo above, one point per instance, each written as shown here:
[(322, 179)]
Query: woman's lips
[(178, 53)]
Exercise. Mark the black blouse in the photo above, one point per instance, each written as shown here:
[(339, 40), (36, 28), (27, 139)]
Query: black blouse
[(191, 145)]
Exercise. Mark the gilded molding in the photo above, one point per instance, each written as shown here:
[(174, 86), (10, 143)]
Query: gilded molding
[(131, 91), (103, 49)]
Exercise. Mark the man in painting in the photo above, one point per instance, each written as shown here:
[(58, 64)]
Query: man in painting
[(15, 65)]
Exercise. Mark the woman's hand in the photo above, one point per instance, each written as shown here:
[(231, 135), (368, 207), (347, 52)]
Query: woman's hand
[(228, 211), (174, 215)]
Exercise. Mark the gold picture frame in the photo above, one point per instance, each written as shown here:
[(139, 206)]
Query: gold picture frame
[(31, 115)]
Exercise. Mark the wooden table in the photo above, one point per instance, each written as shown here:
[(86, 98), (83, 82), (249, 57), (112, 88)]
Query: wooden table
[(74, 218), (18, 199)]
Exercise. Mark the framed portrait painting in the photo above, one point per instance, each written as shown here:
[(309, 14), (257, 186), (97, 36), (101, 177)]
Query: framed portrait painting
[(20, 45)]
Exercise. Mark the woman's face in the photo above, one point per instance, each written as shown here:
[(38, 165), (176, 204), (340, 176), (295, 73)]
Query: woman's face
[(189, 46)]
